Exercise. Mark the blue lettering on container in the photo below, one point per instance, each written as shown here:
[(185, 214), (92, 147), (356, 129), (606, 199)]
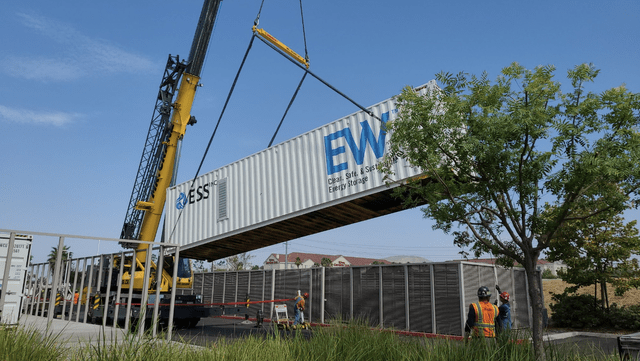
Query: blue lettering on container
[(366, 136)]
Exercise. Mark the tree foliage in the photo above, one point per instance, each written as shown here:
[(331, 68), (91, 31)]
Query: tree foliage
[(236, 262), (325, 262), (53, 255), (598, 251), (506, 162)]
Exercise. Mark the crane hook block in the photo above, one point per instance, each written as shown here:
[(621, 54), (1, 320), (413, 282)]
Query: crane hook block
[(270, 38)]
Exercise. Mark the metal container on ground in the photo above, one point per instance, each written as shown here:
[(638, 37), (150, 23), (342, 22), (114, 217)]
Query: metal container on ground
[(14, 286)]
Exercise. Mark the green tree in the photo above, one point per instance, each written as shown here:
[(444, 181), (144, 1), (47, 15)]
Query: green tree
[(298, 262), (494, 154), (598, 250), (547, 274), (237, 262), (198, 266), (53, 255), (325, 262)]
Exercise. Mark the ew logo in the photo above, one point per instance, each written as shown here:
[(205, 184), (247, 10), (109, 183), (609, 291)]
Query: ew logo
[(358, 152)]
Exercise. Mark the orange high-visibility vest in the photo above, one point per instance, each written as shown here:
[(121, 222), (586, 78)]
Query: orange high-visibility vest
[(485, 317)]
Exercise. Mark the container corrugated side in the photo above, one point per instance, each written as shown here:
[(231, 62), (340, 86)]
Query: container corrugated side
[(323, 167)]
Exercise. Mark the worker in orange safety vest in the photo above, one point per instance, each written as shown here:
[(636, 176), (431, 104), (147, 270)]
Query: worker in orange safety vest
[(299, 309), (482, 316)]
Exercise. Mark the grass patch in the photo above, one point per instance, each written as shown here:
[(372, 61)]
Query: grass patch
[(28, 344), (340, 342)]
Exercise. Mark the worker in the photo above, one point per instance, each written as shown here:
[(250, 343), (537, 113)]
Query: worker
[(504, 317), (299, 309), (482, 316)]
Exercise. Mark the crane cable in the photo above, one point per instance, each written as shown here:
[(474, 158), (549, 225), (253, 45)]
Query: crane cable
[(306, 58), (291, 57), (235, 80)]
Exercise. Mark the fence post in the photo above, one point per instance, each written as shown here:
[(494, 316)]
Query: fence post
[(105, 300), (132, 276), (156, 304), (116, 310), (322, 287), (29, 304), (462, 304), (88, 299), (224, 287), (142, 319), (236, 290), (273, 290), (54, 282), (432, 286), (83, 274), (172, 303), (213, 284), (406, 297), (310, 293), (351, 293), (380, 298), (67, 272), (264, 280)]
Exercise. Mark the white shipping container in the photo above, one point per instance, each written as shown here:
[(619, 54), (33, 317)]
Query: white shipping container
[(14, 289), (325, 167)]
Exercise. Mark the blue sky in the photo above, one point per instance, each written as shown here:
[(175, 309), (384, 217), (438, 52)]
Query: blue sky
[(79, 81)]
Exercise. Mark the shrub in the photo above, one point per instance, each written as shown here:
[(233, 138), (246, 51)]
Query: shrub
[(547, 274), (576, 311), (624, 318), (580, 311)]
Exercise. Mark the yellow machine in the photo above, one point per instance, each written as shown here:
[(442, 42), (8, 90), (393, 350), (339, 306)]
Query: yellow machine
[(156, 173), (159, 157)]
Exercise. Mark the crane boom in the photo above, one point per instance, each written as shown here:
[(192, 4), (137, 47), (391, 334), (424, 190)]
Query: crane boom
[(168, 126)]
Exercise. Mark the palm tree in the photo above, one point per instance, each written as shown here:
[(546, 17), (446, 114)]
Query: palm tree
[(53, 255), (298, 262)]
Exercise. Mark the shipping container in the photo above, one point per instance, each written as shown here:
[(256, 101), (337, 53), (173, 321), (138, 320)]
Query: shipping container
[(13, 290), (323, 179)]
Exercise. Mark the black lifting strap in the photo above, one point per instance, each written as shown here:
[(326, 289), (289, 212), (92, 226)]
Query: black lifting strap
[(289, 106), (224, 107), (320, 79), (216, 128)]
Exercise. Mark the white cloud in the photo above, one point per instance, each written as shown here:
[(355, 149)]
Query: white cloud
[(42, 69), (33, 117), (83, 55)]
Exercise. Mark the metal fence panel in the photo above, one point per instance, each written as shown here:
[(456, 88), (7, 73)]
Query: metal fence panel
[(366, 296), (420, 298), (243, 286), (447, 297), (207, 288), (337, 281), (316, 298), (256, 292), (393, 297), (230, 286), (521, 304)]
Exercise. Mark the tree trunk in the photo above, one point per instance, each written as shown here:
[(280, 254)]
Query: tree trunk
[(535, 296)]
